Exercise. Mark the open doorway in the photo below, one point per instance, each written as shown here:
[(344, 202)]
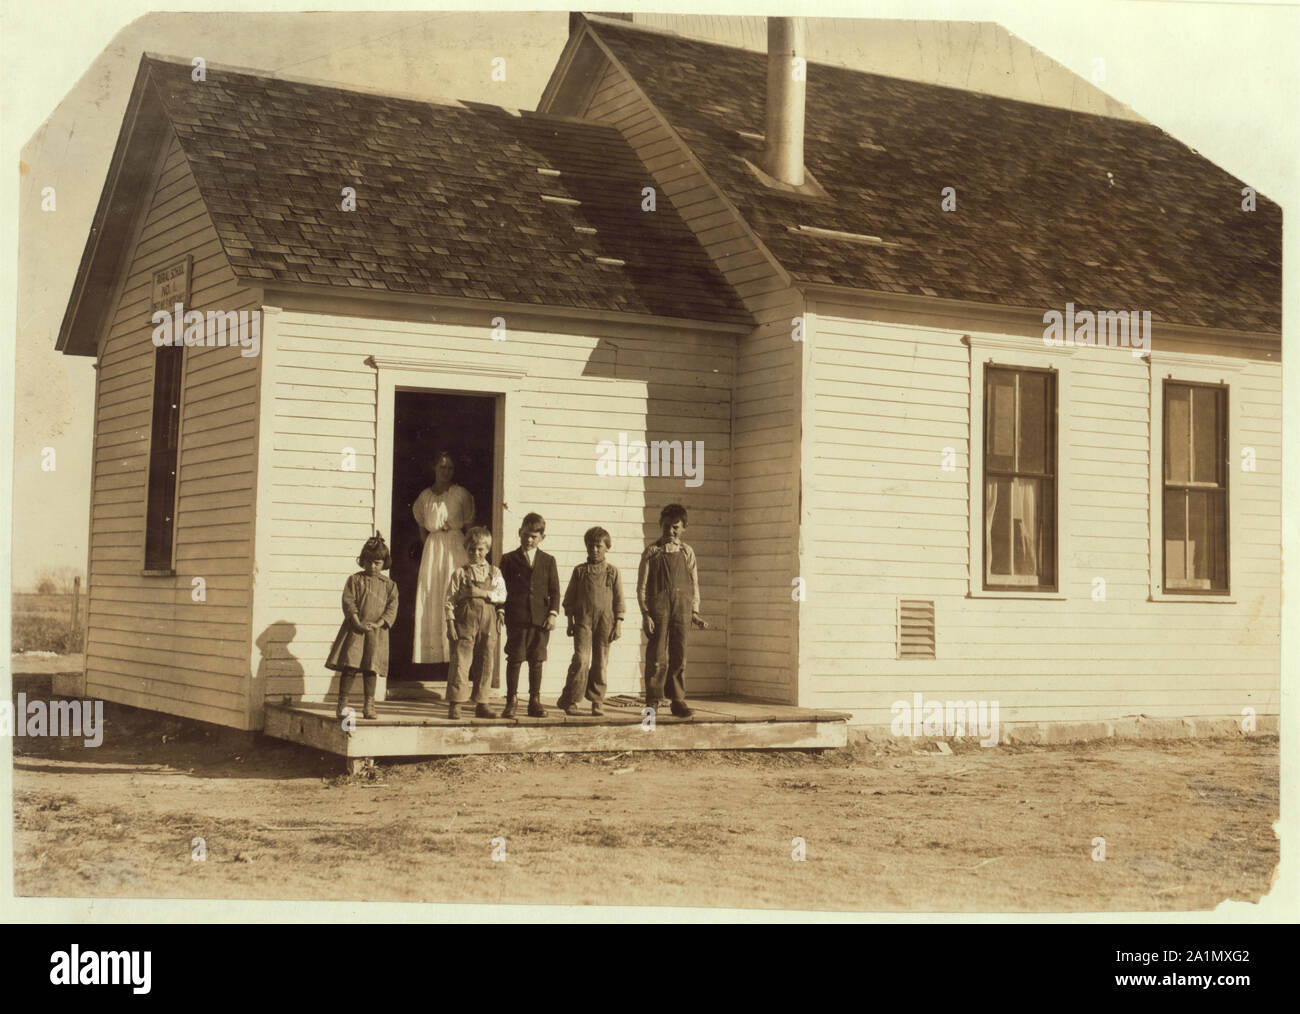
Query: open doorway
[(425, 422)]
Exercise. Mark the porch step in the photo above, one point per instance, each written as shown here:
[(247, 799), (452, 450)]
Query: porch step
[(421, 729)]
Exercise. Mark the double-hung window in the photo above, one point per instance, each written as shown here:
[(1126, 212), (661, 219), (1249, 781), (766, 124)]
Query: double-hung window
[(1020, 497), (1195, 494)]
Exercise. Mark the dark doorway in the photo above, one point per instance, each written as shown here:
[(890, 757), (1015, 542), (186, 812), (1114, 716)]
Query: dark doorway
[(425, 422)]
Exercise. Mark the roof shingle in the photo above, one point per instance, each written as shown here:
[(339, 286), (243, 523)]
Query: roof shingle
[(448, 198), (1052, 205)]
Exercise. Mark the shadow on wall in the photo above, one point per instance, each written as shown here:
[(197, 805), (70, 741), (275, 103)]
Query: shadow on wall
[(276, 659), (683, 409)]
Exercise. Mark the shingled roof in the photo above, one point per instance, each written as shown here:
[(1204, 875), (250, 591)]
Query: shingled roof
[(451, 200), (1052, 205)]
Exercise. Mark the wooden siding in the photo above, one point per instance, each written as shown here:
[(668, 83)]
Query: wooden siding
[(882, 403), (149, 644), (763, 649), (575, 391)]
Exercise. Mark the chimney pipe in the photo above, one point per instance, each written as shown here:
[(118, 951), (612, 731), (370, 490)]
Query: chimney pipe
[(783, 148)]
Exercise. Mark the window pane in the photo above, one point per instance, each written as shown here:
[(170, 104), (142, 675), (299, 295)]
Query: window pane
[(1219, 532), (1177, 421), (1175, 538), (1019, 546), (1033, 422), (1001, 395), (997, 524), (1047, 532), (1207, 544), (1198, 540), (1024, 522), (1205, 434)]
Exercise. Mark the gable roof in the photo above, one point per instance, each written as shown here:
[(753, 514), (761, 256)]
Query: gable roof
[(449, 198), (1052, 205)]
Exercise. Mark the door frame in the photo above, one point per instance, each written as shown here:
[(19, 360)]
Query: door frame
[(443, 376), (440, 376)]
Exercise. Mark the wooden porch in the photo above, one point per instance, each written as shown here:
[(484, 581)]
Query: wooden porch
[(419, 727)]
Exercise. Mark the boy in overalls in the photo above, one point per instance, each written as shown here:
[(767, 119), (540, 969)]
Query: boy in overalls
[(593, 604), (476, 598), (668, 592)]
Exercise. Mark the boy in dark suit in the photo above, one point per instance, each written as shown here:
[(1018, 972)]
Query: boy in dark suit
[(532, 604)]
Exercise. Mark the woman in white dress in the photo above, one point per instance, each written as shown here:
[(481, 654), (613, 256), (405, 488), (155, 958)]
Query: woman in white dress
[(442, 511)]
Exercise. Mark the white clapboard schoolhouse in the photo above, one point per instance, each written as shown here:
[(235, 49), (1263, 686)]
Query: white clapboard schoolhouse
[(983, 396)]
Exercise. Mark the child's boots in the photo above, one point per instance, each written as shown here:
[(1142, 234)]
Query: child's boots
[(345, 688), (370, 681), (512, 688), (535, 709)]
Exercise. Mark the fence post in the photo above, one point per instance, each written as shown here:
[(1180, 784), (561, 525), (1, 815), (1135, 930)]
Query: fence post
[(76, 594)]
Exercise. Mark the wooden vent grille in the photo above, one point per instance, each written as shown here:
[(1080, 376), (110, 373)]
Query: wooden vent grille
[(915, 628)]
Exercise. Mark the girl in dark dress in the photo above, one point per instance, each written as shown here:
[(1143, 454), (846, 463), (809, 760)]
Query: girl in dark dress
[(369, 608)]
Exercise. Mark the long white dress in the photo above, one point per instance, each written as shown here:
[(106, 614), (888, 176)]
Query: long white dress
[(443, 553)]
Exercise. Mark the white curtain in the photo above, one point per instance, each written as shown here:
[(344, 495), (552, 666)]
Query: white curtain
[(1024, 509)]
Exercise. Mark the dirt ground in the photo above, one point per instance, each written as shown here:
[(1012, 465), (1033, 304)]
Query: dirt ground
[(887, 827)]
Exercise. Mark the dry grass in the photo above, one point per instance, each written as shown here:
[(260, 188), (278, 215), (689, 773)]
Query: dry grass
[(43, 623)]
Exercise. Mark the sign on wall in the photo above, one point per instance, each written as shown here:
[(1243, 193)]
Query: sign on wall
[(171, 285)]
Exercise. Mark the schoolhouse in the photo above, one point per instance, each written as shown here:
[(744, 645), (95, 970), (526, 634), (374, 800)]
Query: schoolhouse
[(833, 287)]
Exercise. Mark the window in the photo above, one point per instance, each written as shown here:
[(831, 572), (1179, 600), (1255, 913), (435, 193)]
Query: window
[(1195, 508), (1019, 479), (164, 445)]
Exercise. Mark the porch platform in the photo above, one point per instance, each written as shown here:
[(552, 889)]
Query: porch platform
[(420, 728)]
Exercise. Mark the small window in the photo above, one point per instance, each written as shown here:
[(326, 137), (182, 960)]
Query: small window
[(1195, 488), (164, 447), (1019, 479)]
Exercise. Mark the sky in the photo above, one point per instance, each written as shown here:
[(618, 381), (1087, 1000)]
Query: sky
[(1220, 77)]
